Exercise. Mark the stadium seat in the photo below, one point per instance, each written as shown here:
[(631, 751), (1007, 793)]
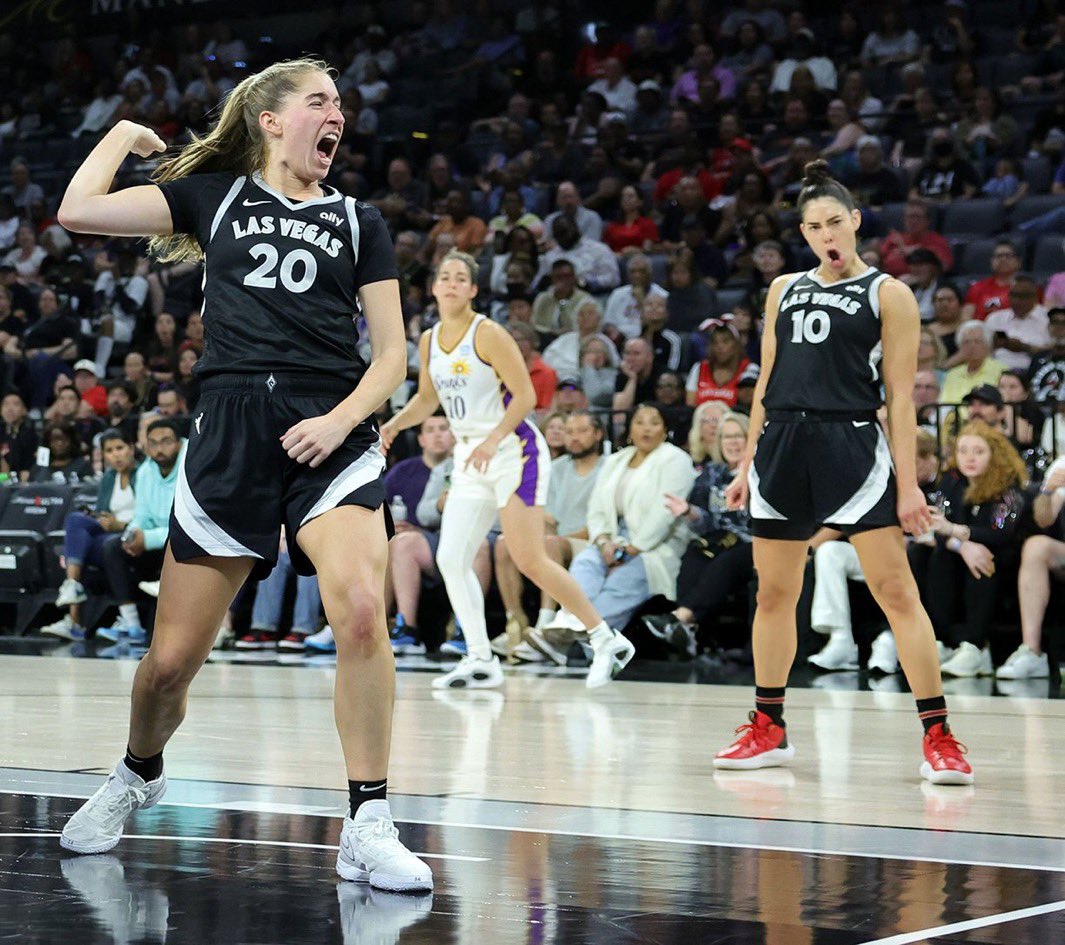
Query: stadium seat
[(729, 297), (1009, 70), (891, 216), (1049, 255), (1028, 208), (973, 257), (983, 216), (1038, 173), (30, 513)]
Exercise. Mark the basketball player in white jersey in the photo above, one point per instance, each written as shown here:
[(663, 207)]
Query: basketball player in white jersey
[(474, 368)]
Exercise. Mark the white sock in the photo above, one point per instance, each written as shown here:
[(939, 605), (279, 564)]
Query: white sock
[(841, 634), (600, 633), (129, 615), (546, 616)]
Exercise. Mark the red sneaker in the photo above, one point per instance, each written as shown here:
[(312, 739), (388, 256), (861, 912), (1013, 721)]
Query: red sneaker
[(256, 640), (757, 747), (944, 758), (293, 643)]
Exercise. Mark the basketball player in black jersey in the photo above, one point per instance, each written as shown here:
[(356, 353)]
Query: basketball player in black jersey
[(283, 432), (817, 456)]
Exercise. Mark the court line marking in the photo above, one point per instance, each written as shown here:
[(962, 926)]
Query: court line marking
[(736, 845), (728, 844), (251, 842), (967, 926)]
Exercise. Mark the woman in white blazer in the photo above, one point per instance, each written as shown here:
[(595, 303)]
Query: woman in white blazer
[(637, 543)]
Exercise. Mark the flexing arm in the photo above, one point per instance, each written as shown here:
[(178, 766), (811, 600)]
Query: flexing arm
[(87, 206), (422, 405), (900, 332)]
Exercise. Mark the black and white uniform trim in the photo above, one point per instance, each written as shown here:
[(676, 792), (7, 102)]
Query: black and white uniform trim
[(822, 457), (281, 283)]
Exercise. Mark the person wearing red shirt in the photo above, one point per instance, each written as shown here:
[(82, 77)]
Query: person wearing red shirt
[(917, 234), (544, 379), (92, 391), (592, 56), (634, 232), (691, 165), (718, 375), (993, 293)]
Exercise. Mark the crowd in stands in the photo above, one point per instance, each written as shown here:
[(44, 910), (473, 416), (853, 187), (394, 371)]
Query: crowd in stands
[(629, 189)]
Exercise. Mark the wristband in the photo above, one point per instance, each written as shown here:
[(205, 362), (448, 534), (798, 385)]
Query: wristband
[(954, 544)]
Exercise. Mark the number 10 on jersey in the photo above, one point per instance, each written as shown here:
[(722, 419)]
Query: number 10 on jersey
[(811, 327), (454, 407)]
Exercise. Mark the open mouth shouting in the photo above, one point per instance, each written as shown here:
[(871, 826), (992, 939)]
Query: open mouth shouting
[(327, 146), (835, 258)]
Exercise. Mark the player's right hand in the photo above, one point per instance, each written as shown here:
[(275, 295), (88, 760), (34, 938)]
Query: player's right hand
[(143, 141), (388, 435), (736, 494)]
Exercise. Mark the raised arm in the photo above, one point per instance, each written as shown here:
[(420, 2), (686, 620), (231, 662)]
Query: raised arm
[(87, 205)]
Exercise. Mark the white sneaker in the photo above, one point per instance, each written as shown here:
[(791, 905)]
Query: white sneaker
[(838, 653), (1024, 663), (370, 852), (945, 652), (472, 673), (885, 655), (524, 653), (968, 661), (611, 654), (564, 620), (65, 629), (97, 825), (151, 588), (320, 642), (70, 592)]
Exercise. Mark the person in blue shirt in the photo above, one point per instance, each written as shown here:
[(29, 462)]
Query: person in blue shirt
[(137, 553)]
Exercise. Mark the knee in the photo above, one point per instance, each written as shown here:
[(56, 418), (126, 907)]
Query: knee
[(895, 593), (1036, 549), (360, 621), (777, 596), (168, 672)]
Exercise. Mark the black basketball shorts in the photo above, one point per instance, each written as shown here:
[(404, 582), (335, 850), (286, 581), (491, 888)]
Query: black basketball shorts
[(237, 486), (813, 469)]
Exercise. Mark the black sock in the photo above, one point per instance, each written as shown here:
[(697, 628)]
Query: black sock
[(147, 768), (932, 712), (771, 702), (361, 791)]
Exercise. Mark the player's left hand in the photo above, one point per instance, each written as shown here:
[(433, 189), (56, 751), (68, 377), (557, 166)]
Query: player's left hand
[(482, 455), (914, 514), (311, 441)]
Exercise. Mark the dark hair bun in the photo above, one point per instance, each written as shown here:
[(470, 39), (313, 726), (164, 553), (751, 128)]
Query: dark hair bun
[(817, 173)]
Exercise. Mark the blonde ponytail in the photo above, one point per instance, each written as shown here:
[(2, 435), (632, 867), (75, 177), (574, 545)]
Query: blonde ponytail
[(235, 143)]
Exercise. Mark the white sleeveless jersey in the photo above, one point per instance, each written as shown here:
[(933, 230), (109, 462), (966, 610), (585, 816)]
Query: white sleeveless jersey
[(470, 391)]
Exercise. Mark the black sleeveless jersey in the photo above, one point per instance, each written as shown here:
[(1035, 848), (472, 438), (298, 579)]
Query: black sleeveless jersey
[(828, 345), (281, 277)]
